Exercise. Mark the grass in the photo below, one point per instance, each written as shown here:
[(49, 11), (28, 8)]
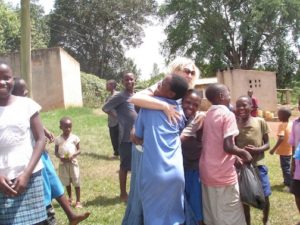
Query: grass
[(99, 173)]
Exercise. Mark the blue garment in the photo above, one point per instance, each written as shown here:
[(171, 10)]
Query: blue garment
[(134, 212), (161, 182), (53, 187), (193, 192), (285, 164), (265, 181)]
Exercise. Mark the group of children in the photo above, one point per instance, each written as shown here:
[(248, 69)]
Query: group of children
[(29, 183)]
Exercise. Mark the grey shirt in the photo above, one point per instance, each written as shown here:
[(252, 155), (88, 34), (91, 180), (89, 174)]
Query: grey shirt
[(112, 119), (125, 112)]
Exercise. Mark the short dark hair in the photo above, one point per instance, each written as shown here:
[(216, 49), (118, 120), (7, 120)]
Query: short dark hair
[(286, 112), (179, 86), (193, 91), (247, 97), (64, 119), (213, 91)]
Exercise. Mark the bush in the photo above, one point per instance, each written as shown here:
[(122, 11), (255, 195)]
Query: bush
[(93, 90)]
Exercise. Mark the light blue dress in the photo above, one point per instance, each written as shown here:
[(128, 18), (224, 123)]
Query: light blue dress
[(161, 178)]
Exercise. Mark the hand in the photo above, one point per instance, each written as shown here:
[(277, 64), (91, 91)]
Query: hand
[(245, 156), (251, 149), (172, 114), (238, 163), (5, 187), (134, 139), (272, 151), (20, 183), (198, 122), (49, 135)]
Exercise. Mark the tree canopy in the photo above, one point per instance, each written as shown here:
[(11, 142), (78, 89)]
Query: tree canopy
[(237, 33), (97, 32)]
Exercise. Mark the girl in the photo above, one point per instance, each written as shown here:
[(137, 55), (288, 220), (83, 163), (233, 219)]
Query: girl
[(191, 149), (21, 186)]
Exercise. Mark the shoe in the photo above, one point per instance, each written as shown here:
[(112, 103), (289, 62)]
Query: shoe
[(78, 205)]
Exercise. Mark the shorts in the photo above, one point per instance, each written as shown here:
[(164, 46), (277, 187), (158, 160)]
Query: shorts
[(26, 208), (222, 205), (193, 192), (69, 173), (295, 187), (264, 178), (125, 155)]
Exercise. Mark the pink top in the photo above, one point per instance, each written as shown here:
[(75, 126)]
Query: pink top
[(294, 140), (217, 166)]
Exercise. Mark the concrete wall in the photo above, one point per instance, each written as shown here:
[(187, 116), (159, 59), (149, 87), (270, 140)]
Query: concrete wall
[(263, 84), (55, 77)]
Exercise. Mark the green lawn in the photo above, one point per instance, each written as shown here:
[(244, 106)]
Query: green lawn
[(99, 173)]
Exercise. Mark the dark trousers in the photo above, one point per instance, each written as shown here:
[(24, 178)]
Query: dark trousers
[(114, 137), (285, 163)]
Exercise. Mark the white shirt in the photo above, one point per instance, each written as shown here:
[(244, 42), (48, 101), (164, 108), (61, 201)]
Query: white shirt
[(15, 137)]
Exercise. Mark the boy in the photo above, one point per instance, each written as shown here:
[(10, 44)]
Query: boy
[(161, 178), (254, 138), (112, 120), (126, 115), (67, 149), (282, 147), (220, 191)]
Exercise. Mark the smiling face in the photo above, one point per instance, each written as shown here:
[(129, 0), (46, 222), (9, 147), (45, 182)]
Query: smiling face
[(6, 81), (243, 108), (190, 104), (66, 127), (188, 72), (128, 81)]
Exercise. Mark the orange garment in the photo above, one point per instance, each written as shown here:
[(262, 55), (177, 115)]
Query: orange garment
[(284, 130)]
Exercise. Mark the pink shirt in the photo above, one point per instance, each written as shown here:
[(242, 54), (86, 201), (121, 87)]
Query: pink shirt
[(217, 166), (294, 140)]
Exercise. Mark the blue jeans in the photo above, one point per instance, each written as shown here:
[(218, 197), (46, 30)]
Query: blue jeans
[(285, 163)]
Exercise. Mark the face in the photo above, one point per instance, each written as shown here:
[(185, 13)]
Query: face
[(281, 116), (250, 93), (109, 86), (66, 127), (243, 108), (6, 81), (190, 104), (164, 88), (128, 81), (188, 72), (22, 89), (225, 97)]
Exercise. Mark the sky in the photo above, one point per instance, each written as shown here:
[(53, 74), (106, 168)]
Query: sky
[(143, 56)]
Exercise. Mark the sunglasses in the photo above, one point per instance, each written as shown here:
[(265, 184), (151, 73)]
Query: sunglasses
[(187, 71)]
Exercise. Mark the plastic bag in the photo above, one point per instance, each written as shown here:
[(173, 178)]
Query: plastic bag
[(251, 190)]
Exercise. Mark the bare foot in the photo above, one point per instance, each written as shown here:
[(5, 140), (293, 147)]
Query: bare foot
[(78, 218)]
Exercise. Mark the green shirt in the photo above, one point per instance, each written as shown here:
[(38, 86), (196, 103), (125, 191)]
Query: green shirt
[(252, 134)]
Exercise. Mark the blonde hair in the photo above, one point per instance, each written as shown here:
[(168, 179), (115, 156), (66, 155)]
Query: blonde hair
[(179, 63)]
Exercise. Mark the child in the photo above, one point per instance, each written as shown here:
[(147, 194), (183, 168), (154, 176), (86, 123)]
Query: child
[(126, 116), (254, 138), (21, 186), (52, 185), (161, 178), (220, 190), (112, 120), (67, 149), (294, 141), (191, 149), (282, 147)]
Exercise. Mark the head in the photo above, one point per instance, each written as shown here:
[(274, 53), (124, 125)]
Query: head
[(111, 85), (6, 81), (185, 67), (284, 114), (65, 124), (250, 93), (218, 94), (20, 87), (243, 107), (172, 86), (128, 81), (191, 102)]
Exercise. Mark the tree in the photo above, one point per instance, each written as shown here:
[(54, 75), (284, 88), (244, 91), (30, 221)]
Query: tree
[(155, 70), (229, 32), (96, 32)]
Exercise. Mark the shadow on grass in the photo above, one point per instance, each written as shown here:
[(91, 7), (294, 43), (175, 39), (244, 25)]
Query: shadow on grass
[(278, 187), (98, 156), (103, 201)]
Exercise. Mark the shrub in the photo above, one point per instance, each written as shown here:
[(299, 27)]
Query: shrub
[(93, 90)]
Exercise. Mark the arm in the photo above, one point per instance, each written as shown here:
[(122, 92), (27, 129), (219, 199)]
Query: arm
[(293, 163), (38, 133), (231, 148), (76, 153), (279, 141), (255, 150), (49, 135)]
